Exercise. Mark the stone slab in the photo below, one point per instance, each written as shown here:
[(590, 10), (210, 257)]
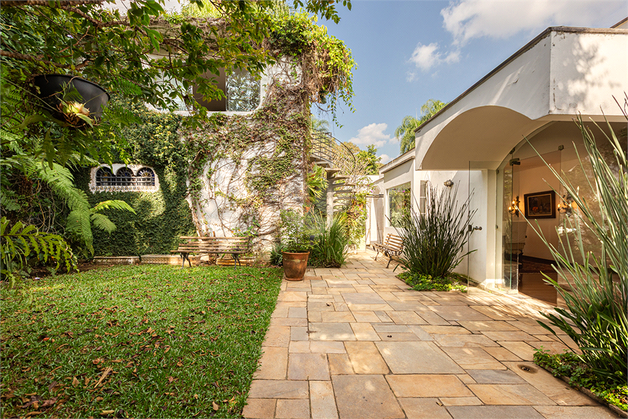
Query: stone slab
[(365, 396), (473, 358), (298, 333), (363, 298), (479, 325), (278, 389), (446, 330), (463, 340), (458, 313), (327, 347), (510, 394), (308, 367), (337, 317), (427, 385), (365, 358), (460, 401), (259, 408), (554, 388), (365, 317), (495, 377), (285, 321), (508, 335), (331, 331), (299, 346), (273, 364), (575, 412), (416, 358), (521, 349), (339, 364), (426, 408), (322, 401), (293, 409), (397, 337), (405, 317), (297, 312), (364, 331), (501, 412), (501, 354), (277, 336)]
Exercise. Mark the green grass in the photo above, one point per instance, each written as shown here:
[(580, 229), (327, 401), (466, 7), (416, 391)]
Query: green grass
[(570, 365), (135, 341), (418, 282)]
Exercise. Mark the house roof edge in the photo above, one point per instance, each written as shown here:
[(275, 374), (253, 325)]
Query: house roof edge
[(521, 51)]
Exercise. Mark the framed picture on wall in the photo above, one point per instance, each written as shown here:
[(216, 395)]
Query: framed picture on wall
[(540, 205)]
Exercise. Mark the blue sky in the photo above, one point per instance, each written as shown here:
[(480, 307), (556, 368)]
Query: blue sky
[(411, 51)]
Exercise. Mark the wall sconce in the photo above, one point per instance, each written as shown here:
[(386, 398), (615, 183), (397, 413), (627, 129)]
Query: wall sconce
[(514, 206), (449, 183), (566, 205)]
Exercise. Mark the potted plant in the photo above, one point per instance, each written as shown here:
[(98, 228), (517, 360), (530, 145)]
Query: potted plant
[(296, 245), (73, 100)]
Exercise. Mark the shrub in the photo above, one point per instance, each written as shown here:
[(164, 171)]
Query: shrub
[(422, 282), (597, 290), (434, 242), (276, 258), (330, 243)]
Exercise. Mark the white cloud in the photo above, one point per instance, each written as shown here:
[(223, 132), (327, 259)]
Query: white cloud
[(372, 134), (384, 158), (468, 19), (427, 56)]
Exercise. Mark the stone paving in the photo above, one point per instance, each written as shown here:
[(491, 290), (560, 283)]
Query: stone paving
[(357, 343)]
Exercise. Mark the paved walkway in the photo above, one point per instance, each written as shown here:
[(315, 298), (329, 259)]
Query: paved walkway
[(357, 343)]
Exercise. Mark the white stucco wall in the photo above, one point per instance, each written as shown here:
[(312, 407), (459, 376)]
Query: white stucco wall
[(562, 72)]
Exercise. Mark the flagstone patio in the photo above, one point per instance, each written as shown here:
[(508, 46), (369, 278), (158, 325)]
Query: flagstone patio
[(356, 342)]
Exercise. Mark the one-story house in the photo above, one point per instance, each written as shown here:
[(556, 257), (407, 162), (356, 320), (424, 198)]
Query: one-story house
[(484, 141)]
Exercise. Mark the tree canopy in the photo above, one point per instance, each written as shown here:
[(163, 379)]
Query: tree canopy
[(409, 124), (146, 56)]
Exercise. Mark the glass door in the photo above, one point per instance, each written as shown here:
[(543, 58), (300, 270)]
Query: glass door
[(512, 227)]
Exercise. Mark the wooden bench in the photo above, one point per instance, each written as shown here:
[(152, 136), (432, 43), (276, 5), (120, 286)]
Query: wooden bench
[(392, 248), (234, 246)]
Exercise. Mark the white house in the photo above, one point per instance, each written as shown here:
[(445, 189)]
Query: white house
[(480, 142)]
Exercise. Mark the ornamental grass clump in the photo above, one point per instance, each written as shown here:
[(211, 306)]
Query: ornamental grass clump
[(597, 287), (331, 242), (434, 242)]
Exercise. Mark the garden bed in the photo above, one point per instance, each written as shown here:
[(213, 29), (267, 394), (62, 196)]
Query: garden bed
[(135, 341), (568, 367)]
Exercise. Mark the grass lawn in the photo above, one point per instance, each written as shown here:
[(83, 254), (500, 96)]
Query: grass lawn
[(135, 341)]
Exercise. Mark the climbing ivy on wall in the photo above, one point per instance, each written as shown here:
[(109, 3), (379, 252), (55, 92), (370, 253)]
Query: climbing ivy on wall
[(162, 216), (264, 154)]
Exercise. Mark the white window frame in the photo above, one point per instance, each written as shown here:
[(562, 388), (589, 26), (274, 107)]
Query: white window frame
[(132, 187)]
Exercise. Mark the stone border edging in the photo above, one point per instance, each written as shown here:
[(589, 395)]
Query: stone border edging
[(590, 394)]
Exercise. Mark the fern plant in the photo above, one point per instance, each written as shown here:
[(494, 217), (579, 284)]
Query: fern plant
[(22, 242)]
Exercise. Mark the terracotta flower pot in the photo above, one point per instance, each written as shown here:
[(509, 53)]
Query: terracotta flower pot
[(294, 265)]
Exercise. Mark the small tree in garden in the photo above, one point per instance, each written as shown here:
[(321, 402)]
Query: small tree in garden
[(434, 242), (597, 293)]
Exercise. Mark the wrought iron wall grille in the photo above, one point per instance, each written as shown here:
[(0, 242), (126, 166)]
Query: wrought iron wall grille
[(142, 179)]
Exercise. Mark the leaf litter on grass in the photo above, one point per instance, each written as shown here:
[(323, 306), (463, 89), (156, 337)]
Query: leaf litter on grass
[(135, 339)]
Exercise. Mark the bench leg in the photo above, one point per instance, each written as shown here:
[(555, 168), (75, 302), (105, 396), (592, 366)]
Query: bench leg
[(389, 259), (236, 260), (376, 254), (185, 256)]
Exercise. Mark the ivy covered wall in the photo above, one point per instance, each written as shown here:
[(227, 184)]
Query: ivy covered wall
[(231, 174), (161, 217)]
